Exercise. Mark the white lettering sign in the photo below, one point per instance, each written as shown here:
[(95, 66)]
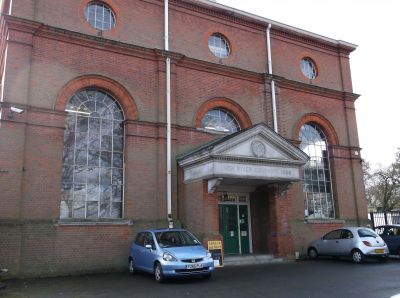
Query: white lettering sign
[(245, 171)]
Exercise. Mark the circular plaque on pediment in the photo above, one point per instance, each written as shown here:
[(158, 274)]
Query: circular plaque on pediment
[(258, 148)]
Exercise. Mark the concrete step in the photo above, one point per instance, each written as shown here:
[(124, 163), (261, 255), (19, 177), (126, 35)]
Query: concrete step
[(250, 259)]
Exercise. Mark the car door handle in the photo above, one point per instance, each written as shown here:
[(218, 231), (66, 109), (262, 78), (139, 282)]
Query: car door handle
[(337, 241)]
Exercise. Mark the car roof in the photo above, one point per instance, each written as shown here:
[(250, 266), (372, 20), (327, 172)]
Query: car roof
[(383, 226), (163, 230), (356, 228), (351, 228)]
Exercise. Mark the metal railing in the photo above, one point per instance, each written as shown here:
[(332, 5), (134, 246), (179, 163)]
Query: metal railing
[(384, 218)]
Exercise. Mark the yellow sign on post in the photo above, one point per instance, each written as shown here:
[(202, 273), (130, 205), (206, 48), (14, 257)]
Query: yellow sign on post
[(215, 248)]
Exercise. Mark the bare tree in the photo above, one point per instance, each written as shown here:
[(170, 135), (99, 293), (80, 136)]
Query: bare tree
[(383, 186)]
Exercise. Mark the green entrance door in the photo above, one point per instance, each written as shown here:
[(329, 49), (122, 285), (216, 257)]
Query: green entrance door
[(234, 228), (244, 229), (228, 227)]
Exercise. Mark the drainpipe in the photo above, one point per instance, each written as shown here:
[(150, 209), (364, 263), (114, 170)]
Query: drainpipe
[(168, 95), (272, 81)]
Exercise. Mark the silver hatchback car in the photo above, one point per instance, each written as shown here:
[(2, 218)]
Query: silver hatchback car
[(356, 242)]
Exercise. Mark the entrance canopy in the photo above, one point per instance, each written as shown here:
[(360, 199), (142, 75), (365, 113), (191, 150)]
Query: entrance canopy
[(256, 155)]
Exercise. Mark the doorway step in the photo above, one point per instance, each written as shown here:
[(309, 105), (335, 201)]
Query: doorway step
[(251, 259)]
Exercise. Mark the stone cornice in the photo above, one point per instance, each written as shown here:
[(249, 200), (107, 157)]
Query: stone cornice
[(20, 24), (221, 69), (45, 31), (218, 13), (304, 39), (318, 90), (235, 16)]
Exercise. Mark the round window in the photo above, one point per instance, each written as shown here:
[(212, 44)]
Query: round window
[(218, 45), (100, 16), (308, 68)]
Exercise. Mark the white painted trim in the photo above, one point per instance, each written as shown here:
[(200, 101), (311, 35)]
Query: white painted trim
[(234, 11)]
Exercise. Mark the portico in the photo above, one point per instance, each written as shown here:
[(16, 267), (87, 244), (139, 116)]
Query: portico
[(235, 190)]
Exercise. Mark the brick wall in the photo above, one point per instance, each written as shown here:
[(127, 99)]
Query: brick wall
[(45, 64)]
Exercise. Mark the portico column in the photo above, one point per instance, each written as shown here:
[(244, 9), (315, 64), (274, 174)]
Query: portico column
[(281, 239)]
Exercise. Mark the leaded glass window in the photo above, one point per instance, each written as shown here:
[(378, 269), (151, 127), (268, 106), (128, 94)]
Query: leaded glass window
[(218, 45), (219, 120), (100, 16), (92, 172), (317, 174)]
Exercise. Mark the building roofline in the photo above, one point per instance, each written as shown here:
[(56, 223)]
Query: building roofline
[(282, 26)]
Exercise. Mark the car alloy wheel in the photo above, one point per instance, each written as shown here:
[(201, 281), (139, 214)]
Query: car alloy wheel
[(312, 253), (132, 268), (357, 256), (158, 273)]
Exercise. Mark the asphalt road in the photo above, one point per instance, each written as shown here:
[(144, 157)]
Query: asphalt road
[(321, 278)]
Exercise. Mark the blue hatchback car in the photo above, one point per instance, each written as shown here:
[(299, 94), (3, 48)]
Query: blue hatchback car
[(169, 253)]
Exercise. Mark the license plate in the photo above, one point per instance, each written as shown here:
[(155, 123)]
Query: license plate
[(194, 266), (379, 251)]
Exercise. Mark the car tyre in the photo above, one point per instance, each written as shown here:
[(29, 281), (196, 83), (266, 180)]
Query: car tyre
[(132, 269), (312, 253), (207, 276), (357, 256), (158, 273)]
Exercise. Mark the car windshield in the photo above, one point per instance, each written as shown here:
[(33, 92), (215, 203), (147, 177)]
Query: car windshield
[(176, 238), (366, 233)]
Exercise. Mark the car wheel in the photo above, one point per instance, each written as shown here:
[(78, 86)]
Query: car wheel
[(207, 276), (357, 256), (312, 253), (158, 273), (132, 269)]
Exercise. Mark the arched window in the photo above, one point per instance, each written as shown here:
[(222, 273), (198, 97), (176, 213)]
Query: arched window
[(317, 174), (219, 120), (92, 172)]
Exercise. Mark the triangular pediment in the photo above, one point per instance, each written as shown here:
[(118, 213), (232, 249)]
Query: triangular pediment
[(256, 147), (259, 143), (254, 154)]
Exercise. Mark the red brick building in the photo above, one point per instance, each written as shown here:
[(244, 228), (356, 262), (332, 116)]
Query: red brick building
[(264, 151)]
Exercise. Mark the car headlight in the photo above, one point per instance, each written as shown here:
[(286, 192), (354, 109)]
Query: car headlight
[(168, 257), (208, 254)]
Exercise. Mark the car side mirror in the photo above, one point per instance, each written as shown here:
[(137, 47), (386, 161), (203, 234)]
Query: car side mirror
[(148, 246)]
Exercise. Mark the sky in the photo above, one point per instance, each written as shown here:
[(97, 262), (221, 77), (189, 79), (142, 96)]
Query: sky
[(373, 26)]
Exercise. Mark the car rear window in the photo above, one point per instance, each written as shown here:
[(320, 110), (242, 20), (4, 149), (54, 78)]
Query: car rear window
[(366, 233)]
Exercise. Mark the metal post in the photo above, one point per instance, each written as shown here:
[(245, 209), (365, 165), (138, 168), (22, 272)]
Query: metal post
[(274, 114), (168, 98)]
